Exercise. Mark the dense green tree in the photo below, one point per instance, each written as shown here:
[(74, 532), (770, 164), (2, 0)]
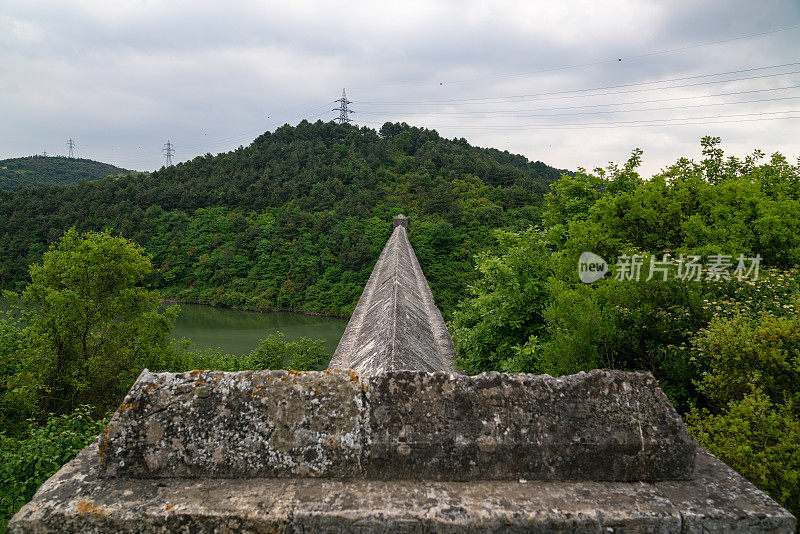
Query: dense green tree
[(16, 400), (753, 390), (275, 352), (295, 220), (90, 326), (706, 208), (498, 326), (626, 325), (41, 171), (30, 459), (725, 351)]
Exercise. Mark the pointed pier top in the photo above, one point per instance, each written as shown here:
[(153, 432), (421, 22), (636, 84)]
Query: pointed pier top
[(396, 325)]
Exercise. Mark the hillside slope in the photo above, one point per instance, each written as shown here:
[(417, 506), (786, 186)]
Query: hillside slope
[(41, 171), (296, 219)]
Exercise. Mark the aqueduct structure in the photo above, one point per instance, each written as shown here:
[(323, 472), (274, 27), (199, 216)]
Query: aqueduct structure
[(392, 438)]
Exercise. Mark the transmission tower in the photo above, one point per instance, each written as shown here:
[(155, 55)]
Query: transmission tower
[(344, 111), (71, 147), (169, 151), (44, 153)]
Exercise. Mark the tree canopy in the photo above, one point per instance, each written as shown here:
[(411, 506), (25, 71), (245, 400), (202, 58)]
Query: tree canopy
[(41, 171), (295, 220), (89, 326), (724, 348)]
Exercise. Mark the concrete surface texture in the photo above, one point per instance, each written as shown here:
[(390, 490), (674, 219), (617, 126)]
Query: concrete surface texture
[(396, 324), (78, 499), (602, 425)]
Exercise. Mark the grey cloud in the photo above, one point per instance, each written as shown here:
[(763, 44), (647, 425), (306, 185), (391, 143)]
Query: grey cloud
[(121, 75)]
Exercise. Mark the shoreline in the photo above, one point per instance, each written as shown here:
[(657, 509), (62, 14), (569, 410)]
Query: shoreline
[(255, 310)]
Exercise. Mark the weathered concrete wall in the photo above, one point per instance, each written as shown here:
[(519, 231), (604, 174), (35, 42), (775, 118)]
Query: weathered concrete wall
[(251, 423), (77, 499), (602, 425), (395, 324)]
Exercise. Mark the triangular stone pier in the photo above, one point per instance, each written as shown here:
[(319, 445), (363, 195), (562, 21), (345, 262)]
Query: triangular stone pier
[(395, 324)]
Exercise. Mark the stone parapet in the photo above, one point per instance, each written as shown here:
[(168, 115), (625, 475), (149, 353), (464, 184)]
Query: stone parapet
[(77, 500), (244, 424), (402, 444), (602, 425)]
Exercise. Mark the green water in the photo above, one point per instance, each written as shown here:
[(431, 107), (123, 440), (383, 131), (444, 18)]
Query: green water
[(238, 332)]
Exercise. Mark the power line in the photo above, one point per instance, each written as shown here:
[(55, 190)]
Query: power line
[(272, 124), (344, 111), (708, 117), (712, 43), (638, 56), (743, 117), (566, 94), (222, 139), (588, 64), (649, 101), (523, 113), (219, 141), (169, 151), (702, 123)]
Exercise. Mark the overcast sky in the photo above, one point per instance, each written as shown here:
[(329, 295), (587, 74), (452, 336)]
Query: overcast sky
[(543, 79)]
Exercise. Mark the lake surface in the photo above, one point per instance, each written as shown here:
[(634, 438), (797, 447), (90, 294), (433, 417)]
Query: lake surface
[(238, 331)]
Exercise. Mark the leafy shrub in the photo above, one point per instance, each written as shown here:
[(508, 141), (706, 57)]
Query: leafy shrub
[(626, 325), (759, 439), (274, 352), (753, 390), (89, 325), (26, 462), (17, 402), (495, 328)]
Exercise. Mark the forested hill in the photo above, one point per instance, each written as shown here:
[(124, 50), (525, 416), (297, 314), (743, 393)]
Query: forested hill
[(296, 219), (41, 171)]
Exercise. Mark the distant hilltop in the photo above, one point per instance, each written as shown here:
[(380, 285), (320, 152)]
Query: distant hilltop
[(42, 171)]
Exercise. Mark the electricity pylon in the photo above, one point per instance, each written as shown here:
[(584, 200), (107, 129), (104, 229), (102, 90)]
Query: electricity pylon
[(169, 151), (344, 111)]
